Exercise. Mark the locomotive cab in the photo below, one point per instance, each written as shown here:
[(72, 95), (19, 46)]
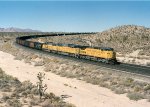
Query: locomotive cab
[(110, 55)]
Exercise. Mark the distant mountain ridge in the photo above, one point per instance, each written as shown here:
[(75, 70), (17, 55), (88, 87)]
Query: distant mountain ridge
[(13, 29)]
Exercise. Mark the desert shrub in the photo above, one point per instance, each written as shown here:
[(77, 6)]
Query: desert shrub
[(147, 87), (24, 94), (26, 86), (113, 83), (137, 88), (28, 91), (56, 60), (70, 75), (49, 96), (18, 57), (119, 91), (69, 105), (57, 104), (135, 96), (34, 102), (40, 63), (6, 88), (95, 81), (103, 84), (7, 46), (1, 73), (5, 97), (130, 80), (6, 82), (15, 95), (47, 103), (64, 74), (24, 100), (87, 79), (34, 56), (35, 91), (14, 103), (105, 78), (126, 82), (27, 61), (52, 101), (113, 88), (31, 96)]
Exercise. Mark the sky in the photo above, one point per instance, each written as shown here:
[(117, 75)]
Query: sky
[(73, 16)]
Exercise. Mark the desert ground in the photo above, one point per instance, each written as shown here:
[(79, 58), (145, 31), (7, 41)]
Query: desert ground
[(79, 83), (77, 92)]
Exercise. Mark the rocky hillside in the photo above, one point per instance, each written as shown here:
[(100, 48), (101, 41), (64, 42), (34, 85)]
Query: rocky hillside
[(125, 38)]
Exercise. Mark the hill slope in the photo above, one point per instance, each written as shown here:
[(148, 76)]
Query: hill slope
[(125, 38)]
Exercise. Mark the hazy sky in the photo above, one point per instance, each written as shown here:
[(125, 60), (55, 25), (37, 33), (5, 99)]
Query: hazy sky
[(73, 16)]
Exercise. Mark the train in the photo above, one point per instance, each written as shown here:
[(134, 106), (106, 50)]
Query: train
[(100, 54)]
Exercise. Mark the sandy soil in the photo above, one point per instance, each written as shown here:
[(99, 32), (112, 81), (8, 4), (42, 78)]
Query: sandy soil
[(77, 92)]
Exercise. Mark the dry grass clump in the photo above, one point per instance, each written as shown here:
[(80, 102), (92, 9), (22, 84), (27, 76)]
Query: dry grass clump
[(54, 101), (5, 97), (147, 87), (25, 88), (34, 56), (119, 90), (67, 74), (7, 81), (135, 96), (127, 82), (34, 101), (14, 103), (18, 57), (48, 103), (7, 46), (39, 63)]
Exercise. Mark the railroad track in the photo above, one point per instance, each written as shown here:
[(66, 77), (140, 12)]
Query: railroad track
[(143, 71)]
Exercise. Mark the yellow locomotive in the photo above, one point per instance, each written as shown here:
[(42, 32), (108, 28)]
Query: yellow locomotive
[(101, 54)]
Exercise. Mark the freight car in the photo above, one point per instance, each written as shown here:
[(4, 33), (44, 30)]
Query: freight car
[(101, 54)]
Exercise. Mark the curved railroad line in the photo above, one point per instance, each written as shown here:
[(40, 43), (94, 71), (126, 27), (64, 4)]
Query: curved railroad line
[(143, 71)]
